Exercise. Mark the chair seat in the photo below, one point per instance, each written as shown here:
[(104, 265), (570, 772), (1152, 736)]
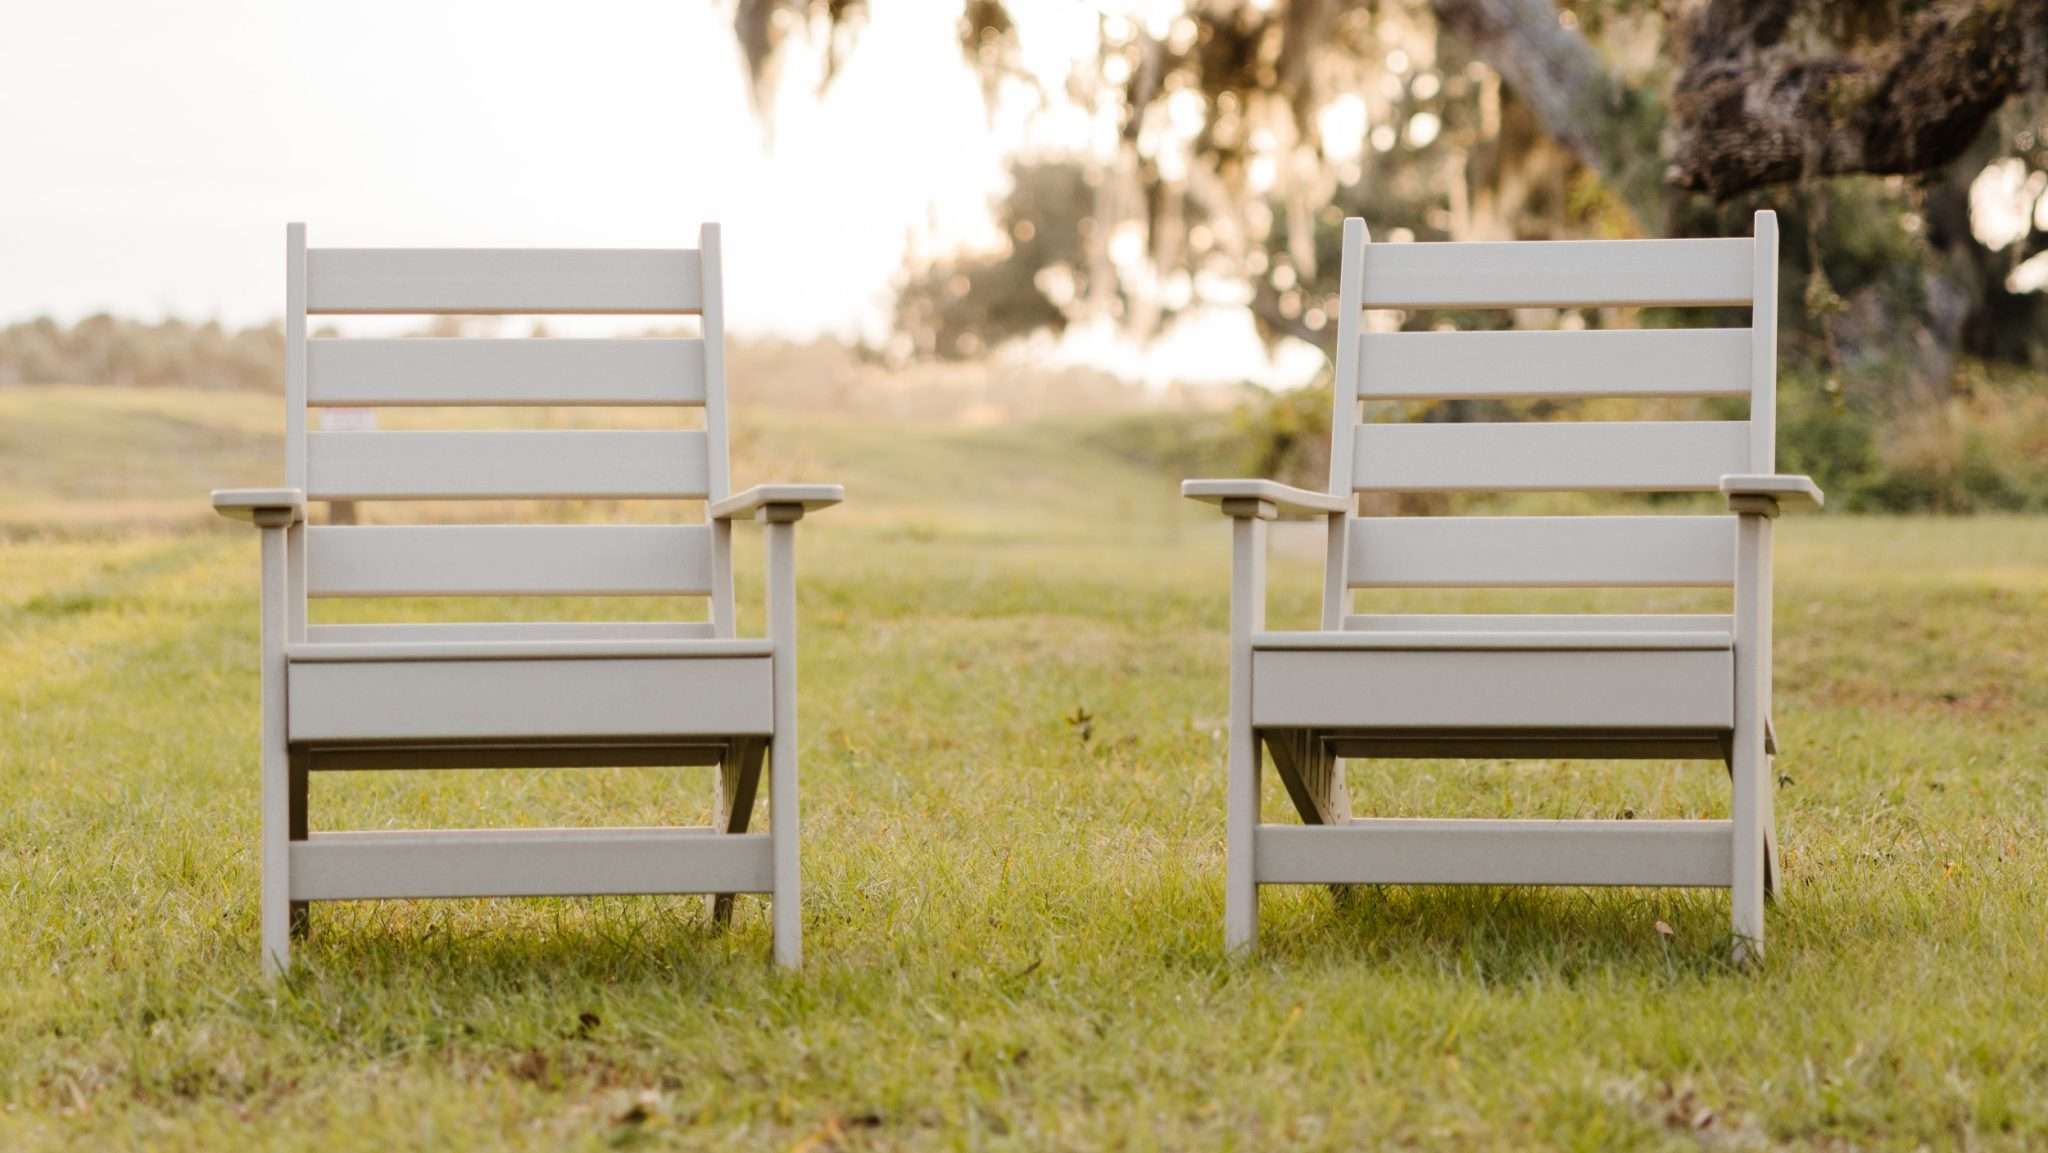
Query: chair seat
[(1614, 681), (554, 691)]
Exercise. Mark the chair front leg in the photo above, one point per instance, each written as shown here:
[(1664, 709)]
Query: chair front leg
[(276, 758), (1247, 616), (1751, 809), (787, 908)]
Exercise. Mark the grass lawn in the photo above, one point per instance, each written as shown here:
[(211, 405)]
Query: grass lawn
[(1013, 914)]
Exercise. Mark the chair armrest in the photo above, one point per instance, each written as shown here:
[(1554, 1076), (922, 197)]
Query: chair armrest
[(1261, 498), (1767, 495), (787, 501), (264, 507)]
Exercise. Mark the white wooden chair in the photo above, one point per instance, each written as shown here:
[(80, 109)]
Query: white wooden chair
[(390, 696), (1521, 685)]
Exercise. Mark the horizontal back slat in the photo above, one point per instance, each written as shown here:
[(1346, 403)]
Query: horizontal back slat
[(505, 465), (1613, 362), (504, 372), (1627, 456), (503, 280), (1542, 551), (508, 560), (1558, 273)]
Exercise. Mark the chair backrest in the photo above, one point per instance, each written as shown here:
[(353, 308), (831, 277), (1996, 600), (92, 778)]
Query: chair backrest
[(1628, 456), (631, 464)]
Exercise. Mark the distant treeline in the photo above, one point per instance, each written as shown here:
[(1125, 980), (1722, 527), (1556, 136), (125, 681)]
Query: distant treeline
[(104, 349), (818, 375)]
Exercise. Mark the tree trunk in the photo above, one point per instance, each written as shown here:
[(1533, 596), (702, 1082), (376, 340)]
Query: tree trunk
[(1555, 72)]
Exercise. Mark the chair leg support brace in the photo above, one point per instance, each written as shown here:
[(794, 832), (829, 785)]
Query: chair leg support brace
[(739, 779), (782, 779), (1313, 775), (301, 762), (1751, 809), (1247, 616), (276, 854)]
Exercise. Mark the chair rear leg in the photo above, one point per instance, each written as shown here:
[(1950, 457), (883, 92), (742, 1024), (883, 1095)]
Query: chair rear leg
[(301, 911), (739, 781)]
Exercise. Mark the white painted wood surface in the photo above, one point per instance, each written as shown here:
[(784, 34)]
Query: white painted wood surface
[(1748, 762), (1418, 851), (782, 779), (1558, 273), (1247, 617), (527, 863), (1783, 492), (490, 281), (688, 751), (295, 417), (1344, 388), (1543, 552), (445, 632), (1520, 364), (619, 464), (1476, 636), (1720, 623), (796, 499), (1544, 744), (1334, 689), (710, 242), (1553, 456), (1283, 497), (276, 756), (567, 647), (269, 507), (362, 372), (1763, 348), (508, 560), (397, 700)]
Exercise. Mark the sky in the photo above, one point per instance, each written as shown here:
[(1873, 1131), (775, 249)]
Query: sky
[(155, 151), (163, 147)]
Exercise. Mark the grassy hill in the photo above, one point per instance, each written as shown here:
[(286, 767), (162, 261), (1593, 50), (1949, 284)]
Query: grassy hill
[(1013, 692)]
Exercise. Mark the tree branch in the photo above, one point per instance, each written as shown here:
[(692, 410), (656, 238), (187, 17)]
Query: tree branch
[(1751, 109), (1265, 309)]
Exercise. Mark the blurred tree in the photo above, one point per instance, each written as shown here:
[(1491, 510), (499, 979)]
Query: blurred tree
[(101, 349), (1243, 132)]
